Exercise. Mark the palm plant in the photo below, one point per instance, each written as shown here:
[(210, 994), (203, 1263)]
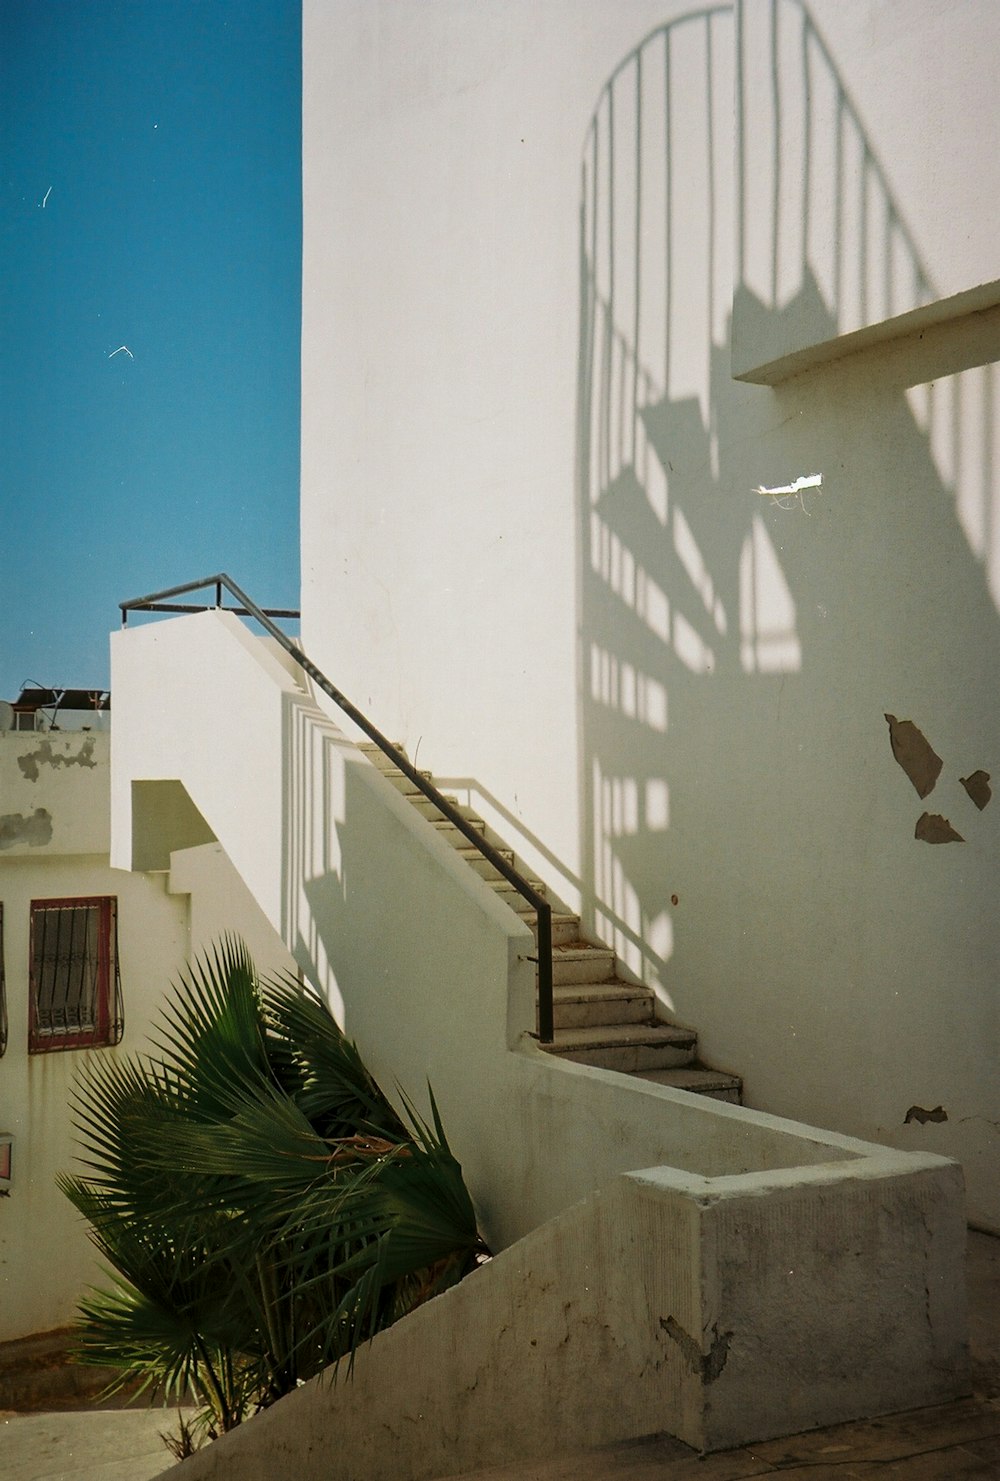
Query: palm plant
[(264, 1207)]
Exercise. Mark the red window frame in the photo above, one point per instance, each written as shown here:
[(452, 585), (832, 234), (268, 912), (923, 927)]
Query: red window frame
[(85, 971)]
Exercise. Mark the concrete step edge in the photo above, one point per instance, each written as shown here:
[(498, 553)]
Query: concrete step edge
[(623, 1036)]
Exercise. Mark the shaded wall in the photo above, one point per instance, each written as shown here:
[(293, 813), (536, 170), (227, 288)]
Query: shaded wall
[(747, 829)]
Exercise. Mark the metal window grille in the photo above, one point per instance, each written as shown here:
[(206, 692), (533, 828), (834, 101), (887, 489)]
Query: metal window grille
[(76, 996), (3, 992)]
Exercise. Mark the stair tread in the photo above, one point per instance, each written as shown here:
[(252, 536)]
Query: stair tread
[(690, 1079), (614, 1035), (617, 991)]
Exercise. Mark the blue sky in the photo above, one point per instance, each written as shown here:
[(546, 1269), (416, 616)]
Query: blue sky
[(150, 196)]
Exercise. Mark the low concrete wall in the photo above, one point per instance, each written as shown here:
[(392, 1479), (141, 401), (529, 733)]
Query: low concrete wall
[(663, 1302)]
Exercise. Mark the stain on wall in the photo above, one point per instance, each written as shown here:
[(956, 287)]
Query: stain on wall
[(32, 763), (978, 787), (917, 1113), (915, 754), (34, 829), (709, 1364), (933, 828)]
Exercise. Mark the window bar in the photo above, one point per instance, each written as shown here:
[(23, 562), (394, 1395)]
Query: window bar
[(44, 1002), (88, 1006), (66, 976), (117, 1003)]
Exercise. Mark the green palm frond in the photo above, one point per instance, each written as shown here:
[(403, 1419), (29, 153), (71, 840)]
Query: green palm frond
[(264, 1206), (331, 1083)]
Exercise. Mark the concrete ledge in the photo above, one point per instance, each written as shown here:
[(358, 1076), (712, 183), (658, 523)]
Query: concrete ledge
[(719, 1310)]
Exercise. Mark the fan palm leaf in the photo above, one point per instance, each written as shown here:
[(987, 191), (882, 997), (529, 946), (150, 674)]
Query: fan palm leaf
[(264, 1206)]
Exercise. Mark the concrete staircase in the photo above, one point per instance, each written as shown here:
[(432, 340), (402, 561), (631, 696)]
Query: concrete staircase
[(600, 1018)]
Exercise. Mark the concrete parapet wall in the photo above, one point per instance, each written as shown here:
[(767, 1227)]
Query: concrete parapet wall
[(662, 1302)]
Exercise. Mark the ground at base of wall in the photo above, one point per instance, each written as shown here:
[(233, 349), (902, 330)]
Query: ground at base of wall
[(84, 1446), (36, 1374), (953, 1442)]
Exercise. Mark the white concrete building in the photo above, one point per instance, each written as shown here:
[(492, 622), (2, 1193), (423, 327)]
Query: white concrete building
[(648, 498), (86, 954), (562, 323)]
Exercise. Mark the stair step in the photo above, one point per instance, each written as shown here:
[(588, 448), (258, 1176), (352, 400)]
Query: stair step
[(626, 1047), (453, 835), (511, 896), (582, 963), (699, 1081), (480, 863), (402, 782), (593, 1004), (377, 756), (565, 928), (429, 809)]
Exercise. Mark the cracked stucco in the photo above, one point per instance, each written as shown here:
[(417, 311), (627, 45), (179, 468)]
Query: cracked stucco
[(34, 829), (45, 755)]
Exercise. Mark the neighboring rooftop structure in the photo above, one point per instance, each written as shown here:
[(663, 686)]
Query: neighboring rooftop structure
[(56, 709)]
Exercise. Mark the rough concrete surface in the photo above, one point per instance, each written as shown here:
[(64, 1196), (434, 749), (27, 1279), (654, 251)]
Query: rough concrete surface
[(90, 1445), (949, 1442)]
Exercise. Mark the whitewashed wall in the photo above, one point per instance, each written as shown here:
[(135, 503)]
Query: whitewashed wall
[(46, 1260), (532, 545), (442, 179)]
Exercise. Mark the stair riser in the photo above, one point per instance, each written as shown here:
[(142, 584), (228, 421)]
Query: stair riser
[(595, 967), (452, 835), (629, 1058), (590, 1015), (428, 809), (565, 929), (377, 756), (510, 896), (483, 867), (402, 783)]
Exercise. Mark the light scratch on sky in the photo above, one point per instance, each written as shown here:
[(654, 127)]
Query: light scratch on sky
[(119, 350)]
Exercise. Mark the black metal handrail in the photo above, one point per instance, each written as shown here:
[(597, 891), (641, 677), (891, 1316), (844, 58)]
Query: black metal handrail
[(160, 601)]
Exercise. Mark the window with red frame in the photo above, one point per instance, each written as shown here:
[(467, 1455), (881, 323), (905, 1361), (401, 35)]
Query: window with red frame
[(75, 997)]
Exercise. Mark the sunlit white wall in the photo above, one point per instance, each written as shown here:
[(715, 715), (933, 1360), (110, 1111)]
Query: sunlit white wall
[(538, 538), (440, 320)]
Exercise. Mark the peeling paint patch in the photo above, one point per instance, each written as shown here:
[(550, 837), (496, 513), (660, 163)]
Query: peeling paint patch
[(933, 828), (915, 754), (978, 787), (917, 1113), (34, 829), (709, 1364), (45, 756)]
